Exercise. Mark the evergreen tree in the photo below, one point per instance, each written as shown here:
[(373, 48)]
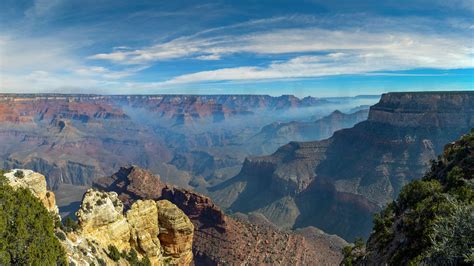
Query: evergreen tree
[(26, 230)]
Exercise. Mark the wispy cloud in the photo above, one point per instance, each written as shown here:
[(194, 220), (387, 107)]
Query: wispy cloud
[(340, 63), (349, 50)]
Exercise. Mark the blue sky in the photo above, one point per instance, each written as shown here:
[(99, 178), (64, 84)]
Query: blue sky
[(318, 48)]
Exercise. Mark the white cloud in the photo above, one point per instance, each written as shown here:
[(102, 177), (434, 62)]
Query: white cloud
[(102, 72), (209, 57), (350, 62), (383, 47), (46, 64)]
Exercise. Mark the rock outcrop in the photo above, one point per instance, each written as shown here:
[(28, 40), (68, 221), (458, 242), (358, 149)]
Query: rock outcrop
[(425, 109), (176, 233), (218, 238), (36, 183), (157, 230), (336, 184), (144, 229), (101, 219)]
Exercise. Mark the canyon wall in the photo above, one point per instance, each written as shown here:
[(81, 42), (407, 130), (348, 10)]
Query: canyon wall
[(336, 184)]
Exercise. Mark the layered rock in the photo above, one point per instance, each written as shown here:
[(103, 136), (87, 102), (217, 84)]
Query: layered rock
[(36, 183), (176, 233), (101, 219), (156, 230), (336, 184), (221, 239), (424, 109), (144, 228)]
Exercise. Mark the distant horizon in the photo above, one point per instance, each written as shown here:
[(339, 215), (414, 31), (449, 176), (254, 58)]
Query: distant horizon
[(225, 94)]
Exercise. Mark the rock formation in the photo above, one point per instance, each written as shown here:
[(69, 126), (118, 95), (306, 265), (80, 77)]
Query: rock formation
[(157, 230), (336, 184), (221, 239), (36, 183), (101, 219)]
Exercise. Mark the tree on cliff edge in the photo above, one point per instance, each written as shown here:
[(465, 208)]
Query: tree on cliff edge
[(26, 230)]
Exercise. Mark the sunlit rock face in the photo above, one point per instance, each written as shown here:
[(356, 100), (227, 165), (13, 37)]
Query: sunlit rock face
[(158, 230), (101, 219), (144, 229), (36, 183), (176, 233)]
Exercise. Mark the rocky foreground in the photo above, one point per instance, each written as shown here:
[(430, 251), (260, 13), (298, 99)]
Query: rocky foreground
[(157, 231), (221, 239)]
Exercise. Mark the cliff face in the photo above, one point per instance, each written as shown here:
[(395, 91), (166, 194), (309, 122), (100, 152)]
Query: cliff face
[(158, 230), (336, 184), (437, 109), (220, 239)]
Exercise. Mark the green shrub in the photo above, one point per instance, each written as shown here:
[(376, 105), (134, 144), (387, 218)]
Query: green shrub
[(69, 225), (101, 262), (60, 235), (113, 253), (19, 174), (26, 230)]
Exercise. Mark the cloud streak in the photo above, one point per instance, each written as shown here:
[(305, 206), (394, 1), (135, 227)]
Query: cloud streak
[(313, 51)]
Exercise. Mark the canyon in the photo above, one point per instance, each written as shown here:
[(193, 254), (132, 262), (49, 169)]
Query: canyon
[(191, 141), (338, 183), (235, 178)]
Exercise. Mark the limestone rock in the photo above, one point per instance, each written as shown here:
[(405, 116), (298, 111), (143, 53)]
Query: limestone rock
[(143, 220), (101, 219), (159, 230), (176, 233), (36, 183)]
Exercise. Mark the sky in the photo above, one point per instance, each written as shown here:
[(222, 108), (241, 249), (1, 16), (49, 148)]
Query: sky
[(316, 48)]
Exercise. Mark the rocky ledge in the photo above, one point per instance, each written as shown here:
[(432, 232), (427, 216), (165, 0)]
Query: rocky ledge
[(427, 109)]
